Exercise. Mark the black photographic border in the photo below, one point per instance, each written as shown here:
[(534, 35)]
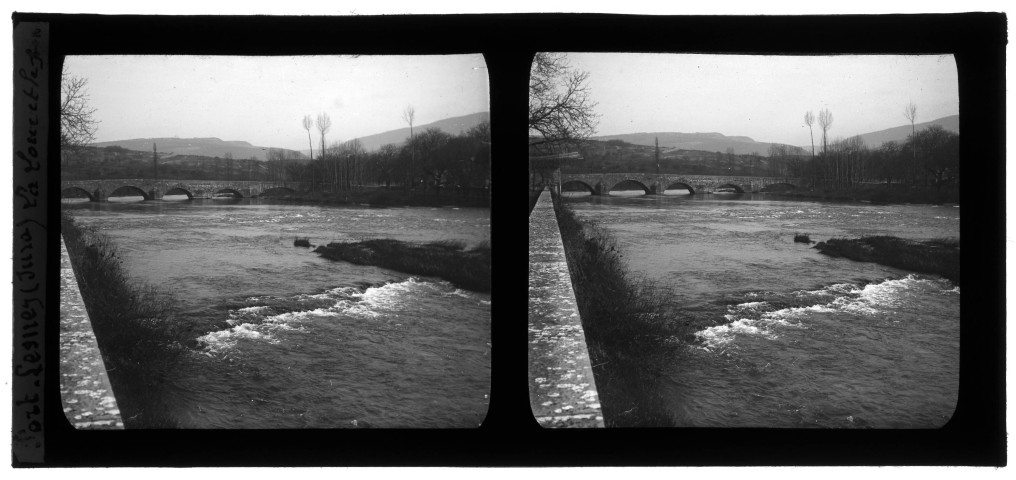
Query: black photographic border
[(510, 436)]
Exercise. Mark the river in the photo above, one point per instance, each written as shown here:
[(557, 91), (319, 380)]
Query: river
[(784, 336), (281, 338)]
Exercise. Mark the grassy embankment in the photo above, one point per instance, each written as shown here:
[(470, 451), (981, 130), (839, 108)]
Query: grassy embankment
[(393, 197), (876, 194), (450, 260), (627, 334), (140, 344), (941, 256)]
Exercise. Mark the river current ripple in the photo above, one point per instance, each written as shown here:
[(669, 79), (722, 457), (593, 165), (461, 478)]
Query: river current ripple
[(281, 338), (784, 336)]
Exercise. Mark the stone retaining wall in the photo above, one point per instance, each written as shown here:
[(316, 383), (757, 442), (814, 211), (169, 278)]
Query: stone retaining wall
[(562, 391), (85, 393)]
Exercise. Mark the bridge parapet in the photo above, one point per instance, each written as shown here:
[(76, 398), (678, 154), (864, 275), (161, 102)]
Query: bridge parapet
[(151, 189), (85, 392), (562, 390), (656, 184)]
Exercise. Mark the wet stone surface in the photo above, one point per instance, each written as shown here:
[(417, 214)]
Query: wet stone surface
[(85, 392), (562, 392)]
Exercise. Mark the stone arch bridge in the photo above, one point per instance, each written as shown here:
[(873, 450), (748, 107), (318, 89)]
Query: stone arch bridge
[(656, 184), (150, 189)]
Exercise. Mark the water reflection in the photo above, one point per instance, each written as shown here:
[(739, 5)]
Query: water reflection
[(627, 193), (126, 199)]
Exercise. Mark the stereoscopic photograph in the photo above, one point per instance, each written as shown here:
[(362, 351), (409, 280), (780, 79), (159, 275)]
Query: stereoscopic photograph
[(275, 242), (756, 241), (261, 240)]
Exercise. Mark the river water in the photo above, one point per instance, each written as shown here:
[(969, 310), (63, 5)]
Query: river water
[(784, 336), (281, 338)]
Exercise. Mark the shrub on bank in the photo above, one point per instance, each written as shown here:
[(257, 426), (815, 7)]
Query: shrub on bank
[(627, 333), (140, 343), (939, 256), (469, 269), (802, 238)]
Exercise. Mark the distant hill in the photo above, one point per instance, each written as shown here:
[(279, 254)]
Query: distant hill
[(207, 147), (709, 142), (900, 133), (453, 126), (214, 147)]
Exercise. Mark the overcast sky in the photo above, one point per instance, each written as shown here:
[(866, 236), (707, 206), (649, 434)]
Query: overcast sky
[(765, 97), (262, 100)]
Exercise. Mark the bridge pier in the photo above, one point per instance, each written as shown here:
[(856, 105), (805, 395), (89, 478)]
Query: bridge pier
[(155, 194), (100, 196)]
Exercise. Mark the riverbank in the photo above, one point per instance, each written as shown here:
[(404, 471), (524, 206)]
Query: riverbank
[(627, 335), (940, 256), (449, 260), (394, 197), (140, 345), (875, 194)]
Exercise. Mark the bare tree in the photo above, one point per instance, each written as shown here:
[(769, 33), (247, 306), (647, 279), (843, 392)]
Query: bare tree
[(809, 119), (349, 153), (560, 108), (387, 163), (77, 121), (324, 122), (409, 115), (825, 122), (307, 123), (910, 111)]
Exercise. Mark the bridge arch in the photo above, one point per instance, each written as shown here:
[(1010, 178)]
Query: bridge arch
[(629, 181), (129, 191), (179, 190), (235, 193), (76, 192), (577, 183), (733, 186), (679, 184)]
